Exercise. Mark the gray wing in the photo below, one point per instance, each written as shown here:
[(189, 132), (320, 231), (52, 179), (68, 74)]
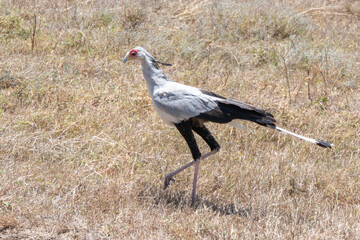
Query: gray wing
[(175, 105)]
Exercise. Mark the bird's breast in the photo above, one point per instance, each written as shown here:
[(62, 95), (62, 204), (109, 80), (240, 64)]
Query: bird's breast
[(166, 117)]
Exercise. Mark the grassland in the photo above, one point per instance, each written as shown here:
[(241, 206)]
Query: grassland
[(83, 154)]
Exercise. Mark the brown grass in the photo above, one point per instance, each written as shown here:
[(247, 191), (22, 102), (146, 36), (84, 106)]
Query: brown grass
[(83, 155)]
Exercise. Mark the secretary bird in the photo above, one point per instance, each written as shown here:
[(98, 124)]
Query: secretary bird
[(188, 108)]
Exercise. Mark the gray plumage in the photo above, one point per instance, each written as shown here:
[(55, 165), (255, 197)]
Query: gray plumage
[(188, 108), (176, 102)]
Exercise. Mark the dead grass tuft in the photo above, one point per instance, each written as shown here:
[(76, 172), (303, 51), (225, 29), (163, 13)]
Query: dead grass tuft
[(7, 80), (133, 17), (353, 8), (7, 222)]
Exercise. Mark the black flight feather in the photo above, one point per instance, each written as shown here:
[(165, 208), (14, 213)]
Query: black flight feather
[(228, 110)]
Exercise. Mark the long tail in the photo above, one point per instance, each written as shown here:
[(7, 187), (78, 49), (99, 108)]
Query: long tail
[(229, 110), (240, 110), (318, 142)]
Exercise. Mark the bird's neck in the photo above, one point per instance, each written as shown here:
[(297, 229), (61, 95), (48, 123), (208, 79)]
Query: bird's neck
[(153, 75)]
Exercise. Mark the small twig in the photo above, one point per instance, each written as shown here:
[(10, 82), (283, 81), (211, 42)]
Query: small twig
[(287, 77), (75, 5), (334, 13), (325, 8), (324, 73), (33, 34), (308, 88)]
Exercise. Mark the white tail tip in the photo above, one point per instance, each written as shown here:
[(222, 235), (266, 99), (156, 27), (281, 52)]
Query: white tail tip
[(320, 143)]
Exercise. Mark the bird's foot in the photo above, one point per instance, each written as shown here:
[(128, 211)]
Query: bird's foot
[(168, 179)]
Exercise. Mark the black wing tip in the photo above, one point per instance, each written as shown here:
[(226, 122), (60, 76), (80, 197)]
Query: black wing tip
[(166, 64), (162, 63), (270, 115), (323, 144)]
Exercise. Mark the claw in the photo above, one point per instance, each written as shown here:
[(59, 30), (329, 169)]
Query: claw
[(168, 179)]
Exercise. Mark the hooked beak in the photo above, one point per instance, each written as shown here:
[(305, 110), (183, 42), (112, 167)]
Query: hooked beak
[(125, 59)]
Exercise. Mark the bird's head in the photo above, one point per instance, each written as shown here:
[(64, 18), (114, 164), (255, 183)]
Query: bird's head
[(140, 54), (137, 53)]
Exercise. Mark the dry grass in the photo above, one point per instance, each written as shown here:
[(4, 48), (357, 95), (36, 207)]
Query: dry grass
[(83, 154)]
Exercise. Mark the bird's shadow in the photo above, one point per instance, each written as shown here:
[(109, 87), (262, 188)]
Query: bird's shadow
[(180, 199)]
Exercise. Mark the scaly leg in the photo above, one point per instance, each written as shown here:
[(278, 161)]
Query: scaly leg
[(185, 128), (196, 172), (169, 177)]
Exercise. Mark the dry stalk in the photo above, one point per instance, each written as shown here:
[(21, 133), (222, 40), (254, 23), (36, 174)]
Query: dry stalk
[(286, 77), (33, 34), (324, 73), (320, 9)]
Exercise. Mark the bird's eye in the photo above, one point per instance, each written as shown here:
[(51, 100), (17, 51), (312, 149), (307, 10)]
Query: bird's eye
[(133, 53)]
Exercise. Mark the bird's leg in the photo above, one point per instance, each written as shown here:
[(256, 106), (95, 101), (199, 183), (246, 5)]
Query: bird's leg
[(196, 172), (197, 167), (169, 177), (203, 132), (184, 128), (200, 129)]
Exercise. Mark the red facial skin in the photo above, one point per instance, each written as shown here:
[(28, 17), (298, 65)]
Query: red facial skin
[(133, 52)]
